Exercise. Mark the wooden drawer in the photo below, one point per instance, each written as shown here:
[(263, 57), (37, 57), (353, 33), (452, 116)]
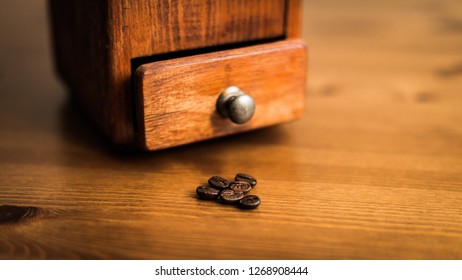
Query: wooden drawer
[(176, 98)]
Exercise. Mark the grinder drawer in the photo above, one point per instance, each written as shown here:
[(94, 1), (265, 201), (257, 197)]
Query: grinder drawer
[(176, 99)]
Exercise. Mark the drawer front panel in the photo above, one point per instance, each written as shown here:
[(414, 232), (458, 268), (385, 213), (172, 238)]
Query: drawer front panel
[(176, 98)]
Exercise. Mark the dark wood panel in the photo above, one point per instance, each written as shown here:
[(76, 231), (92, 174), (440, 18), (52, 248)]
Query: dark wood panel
[(80, 44)]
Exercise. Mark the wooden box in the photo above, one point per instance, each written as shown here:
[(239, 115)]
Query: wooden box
[(149, 72)]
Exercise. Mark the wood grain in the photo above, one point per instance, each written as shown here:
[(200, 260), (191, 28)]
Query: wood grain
[(273, 74), (144, 28), (96, 41), (373, 169), (293, 19), (80, 39)]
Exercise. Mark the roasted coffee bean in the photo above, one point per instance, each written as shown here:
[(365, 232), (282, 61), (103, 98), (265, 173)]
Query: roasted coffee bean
[(229, 196), (250, 202), (207, 192), (246, 178), (218, 182), (240, 186)]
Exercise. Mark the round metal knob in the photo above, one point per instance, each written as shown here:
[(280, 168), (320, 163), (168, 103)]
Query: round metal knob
[(234, 104)]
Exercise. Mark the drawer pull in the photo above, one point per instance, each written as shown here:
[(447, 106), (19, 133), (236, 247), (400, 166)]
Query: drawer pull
[(236, 105)]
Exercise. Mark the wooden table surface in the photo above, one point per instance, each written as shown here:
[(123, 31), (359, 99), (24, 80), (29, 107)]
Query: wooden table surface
[(373, 170)]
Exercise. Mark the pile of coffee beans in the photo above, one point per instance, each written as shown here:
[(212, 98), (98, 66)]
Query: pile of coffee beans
[(231, 192)]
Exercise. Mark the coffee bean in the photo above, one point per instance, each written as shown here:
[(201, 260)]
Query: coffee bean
[(218, 182), (246, 178), (229, 196), (240, 186), (207, 192), (250, 202)]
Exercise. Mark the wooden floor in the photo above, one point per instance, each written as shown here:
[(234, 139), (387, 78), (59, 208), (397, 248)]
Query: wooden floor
[(373, 170)]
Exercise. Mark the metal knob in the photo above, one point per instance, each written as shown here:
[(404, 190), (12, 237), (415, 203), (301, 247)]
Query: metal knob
[(236, 105)]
